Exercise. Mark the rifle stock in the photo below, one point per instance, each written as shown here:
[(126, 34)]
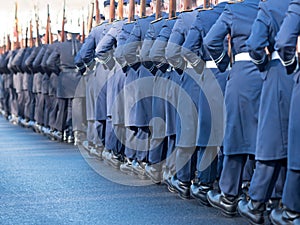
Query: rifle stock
[(120, 9), (17, 43), (187, 4), (112, 11), (47, 35), (172, 9), (9, 47), (83, 30), (158, 9), (63, 22), (143, 8), (131, 10), (97, 16), (90, 22), (26, 37), (30, 34)]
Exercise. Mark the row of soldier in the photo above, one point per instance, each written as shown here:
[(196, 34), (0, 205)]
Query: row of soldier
[(187, 98)]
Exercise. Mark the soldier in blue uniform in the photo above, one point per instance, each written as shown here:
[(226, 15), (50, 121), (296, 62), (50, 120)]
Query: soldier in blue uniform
[(5, 74), (141, 112), (273, 115), (68, 79), (18, 81), (52, 74), (286, 41), (40, 81), (212, 83), (157, 55), (185, 161), (129, 152), (13, 97), (95, 89), (158, 142), (242, 97)]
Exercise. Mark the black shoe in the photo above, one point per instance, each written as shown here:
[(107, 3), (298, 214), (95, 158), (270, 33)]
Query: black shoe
[(126, 167), (253, 211), (182, 188), (199, 192), (114, 161), (284, 216), (57, 135), (226, 204), (87, 145), (273, 204), (96, 152), (139, 169), (70, 139), (154, 173)]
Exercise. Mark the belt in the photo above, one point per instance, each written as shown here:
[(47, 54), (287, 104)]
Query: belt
[(275, 55), (210, 64), (244, 56)]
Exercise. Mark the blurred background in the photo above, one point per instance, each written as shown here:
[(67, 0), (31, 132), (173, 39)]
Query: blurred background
[(76, 11)]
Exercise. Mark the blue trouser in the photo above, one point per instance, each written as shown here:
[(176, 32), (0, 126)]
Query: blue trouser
[(185, 163), (264, 179), (171, 153), (142, 149), (130, 149), (158, 150), (207, 164), (232, 174), (248, 169), (61, 114), (291, 192), (100, 127)]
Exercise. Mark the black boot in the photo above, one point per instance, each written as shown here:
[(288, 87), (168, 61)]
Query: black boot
[(182, 188), (227, 204), (199, 192), (284, 216), (253, 211), (154, 172)]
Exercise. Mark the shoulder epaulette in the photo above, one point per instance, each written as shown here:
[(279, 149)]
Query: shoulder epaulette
[(173, 18), (235, 1), (154, 21), (205, 9), (130, 22), (187, 10)]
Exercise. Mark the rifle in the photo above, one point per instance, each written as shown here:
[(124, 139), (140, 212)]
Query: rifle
[(158, 9), (30, 34), (120, 9), (17, 43), (90, 22), (131, 10), (63, 22), (98, 19), (26, 38), (187, 4), (172, 9), (38, 41), (48, 32), (206, 4), (112, 11), (83, 30), (143, 8), (8, 43)]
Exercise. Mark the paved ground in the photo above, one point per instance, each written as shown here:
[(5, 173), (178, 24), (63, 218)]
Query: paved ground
[(45, 182)]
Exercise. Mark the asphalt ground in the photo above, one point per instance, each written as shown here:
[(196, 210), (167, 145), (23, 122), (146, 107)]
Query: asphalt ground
[(47, 182)]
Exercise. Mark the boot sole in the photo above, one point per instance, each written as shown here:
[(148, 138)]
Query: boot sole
[(248, 219), (224, 213)]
